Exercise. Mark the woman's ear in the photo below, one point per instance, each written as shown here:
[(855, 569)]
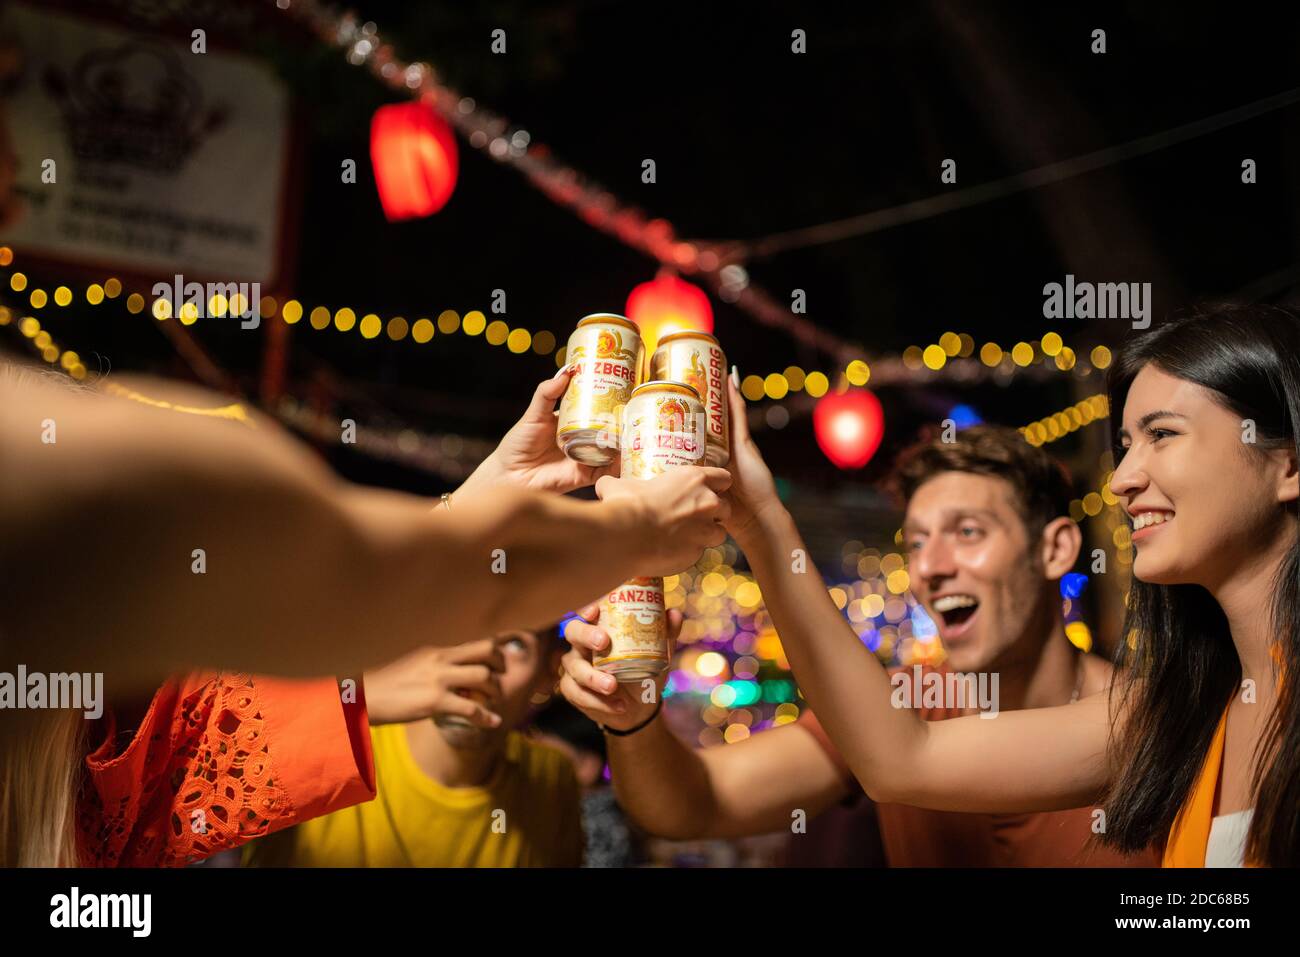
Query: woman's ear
[(1288, 485), (1061, 542)]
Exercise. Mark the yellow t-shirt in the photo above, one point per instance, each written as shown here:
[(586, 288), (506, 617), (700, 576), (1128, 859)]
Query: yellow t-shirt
[(527, 815)]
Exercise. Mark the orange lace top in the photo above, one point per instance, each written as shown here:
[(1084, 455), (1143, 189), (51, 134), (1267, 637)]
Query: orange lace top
[(220, 759)]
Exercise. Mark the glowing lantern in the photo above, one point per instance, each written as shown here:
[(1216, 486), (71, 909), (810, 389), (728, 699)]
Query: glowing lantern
[(667, 304), (849, 427), (413, 152)]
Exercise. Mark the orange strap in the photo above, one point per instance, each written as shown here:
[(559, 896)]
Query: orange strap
[(1191, 831)]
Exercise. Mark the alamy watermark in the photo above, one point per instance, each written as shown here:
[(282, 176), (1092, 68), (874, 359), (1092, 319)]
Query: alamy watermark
[(242, 300), (79, 691), (946, 689), (1102, 300)]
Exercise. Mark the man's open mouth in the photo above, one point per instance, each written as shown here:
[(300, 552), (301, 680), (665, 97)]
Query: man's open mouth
[(955, 613)]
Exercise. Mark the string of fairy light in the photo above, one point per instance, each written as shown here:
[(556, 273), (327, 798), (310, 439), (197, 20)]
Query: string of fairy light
[(776, 386)]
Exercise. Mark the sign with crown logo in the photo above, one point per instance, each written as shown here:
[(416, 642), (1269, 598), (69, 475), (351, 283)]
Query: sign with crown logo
[(139, 155)]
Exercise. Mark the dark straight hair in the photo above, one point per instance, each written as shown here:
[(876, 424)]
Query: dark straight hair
[(1177, 665)]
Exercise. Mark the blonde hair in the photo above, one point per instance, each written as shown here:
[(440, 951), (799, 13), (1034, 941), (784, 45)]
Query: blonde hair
[(41, 751)]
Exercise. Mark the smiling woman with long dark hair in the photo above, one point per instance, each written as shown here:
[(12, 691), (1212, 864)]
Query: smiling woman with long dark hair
[(1208, 446), (1196, 745)]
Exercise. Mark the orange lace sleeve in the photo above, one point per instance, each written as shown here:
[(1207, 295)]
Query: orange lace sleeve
[(220, 759)]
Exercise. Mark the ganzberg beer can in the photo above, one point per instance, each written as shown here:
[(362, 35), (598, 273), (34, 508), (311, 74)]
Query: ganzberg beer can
[(606, 350), (696, 359), (663, 428)]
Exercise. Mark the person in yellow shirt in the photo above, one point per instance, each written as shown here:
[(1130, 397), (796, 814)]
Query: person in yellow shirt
[(463, 789)]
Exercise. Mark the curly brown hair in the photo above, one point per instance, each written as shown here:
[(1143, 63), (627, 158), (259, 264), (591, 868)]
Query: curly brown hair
[(1041, 484)]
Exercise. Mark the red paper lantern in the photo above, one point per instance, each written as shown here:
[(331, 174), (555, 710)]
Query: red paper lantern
[(413, 152), (849, 427), (667, 304)]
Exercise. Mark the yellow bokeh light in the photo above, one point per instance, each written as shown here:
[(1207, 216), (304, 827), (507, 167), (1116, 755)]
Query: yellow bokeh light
[(475, 322), (39, 299), (422, 331), (62, 296), (112, 287), (873, 605), (990, 354), (1051, 344), (189, 313), (519, 340), (1065, 359), (43, 340), (6, 255), (748, 595), (816, 384), (29, 327), (839, 596), (397, 328), (858, 372), (78, 372), (268, 307), (497, 331), (544, 343), (1101, 357), (162, 309), (50, 353), (1079, 635), (734, 733), (775, 386), (134, 303), (713, 584), (371, 326), (17, 282), (967, 345), (794, 376), (1092, 504), (752, 388), (950, 343), (898, 582), (95, 295), (912, 357), (217, 305), (239, 304), (344, 319), (448, 321), (934, 357), (292, 311), (1022, 354)]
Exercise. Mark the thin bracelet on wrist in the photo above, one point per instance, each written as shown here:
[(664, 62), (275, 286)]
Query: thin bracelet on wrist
[(445, 498), (623, 734)]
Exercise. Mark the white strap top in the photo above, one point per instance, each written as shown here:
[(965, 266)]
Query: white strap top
[(1227, 844)]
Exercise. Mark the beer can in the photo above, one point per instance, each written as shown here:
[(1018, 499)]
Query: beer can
[(663, 428), (606, 351), (635, 618), (696, 359)]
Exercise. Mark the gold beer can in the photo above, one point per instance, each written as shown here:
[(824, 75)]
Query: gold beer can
[(606, 350), (635, 618), (696, 359), (663, 428)]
